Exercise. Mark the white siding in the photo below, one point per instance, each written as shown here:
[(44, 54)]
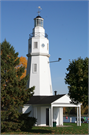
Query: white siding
[(38, 115), (64, 99), (55, 115), (43, 116), (35, 114), (28, 108)]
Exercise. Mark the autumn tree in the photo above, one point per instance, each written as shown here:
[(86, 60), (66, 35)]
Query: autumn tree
[(77, 79), (14, 93), (84, 110), (73, 110), (23, 63), (69, 110)]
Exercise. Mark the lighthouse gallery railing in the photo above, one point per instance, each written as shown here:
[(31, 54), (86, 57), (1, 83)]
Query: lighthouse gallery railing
[(38, 34)]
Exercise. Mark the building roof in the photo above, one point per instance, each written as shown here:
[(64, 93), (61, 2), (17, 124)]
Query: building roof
[(44, 99), (38, 16)]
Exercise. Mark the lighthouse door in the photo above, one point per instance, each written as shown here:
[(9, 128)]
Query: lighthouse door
[(47, 116)]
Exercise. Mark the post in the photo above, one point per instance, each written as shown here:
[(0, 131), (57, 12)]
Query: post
[(80, 115), (51, 116), (77, 116), (60, 116)]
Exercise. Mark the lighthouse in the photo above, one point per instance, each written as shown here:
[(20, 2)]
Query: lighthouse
[(43, 105), (38, 66)]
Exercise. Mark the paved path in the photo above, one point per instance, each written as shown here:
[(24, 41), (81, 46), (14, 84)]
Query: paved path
[(65, 126)]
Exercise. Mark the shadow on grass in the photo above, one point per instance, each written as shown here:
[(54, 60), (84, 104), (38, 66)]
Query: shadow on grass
[(38, 131), (32, 131)]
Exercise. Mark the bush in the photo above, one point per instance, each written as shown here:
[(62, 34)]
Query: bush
[(23, 123), (27, 124), (10, 126), (26, 121)]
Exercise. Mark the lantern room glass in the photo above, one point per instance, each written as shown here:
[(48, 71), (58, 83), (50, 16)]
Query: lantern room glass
[(38, 22)]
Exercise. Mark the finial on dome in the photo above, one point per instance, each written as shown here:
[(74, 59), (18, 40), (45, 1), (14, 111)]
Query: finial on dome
[(39, 8)]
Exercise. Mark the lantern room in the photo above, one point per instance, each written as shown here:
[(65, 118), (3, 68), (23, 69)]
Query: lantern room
[(38, 21)]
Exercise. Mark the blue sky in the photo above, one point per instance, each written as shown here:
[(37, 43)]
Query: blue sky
[(65, 22)]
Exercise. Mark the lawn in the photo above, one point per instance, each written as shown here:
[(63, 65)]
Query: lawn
[(74, 129)]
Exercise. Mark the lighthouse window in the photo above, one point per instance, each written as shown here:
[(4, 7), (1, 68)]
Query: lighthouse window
[(39, 22), (35, 45), (34, 68)]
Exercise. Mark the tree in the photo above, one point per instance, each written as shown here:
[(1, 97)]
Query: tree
[(84, 110), (69, 110), (14, 93), (77, 79), (23, 63)]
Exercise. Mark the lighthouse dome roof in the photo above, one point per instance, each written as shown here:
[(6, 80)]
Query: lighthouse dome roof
[(38, 16)]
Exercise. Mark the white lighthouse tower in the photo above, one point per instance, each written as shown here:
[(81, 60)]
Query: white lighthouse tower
[(38, 66), (43, 105)]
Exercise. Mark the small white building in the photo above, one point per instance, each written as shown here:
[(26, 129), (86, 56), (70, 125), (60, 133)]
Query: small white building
[(44, 106)]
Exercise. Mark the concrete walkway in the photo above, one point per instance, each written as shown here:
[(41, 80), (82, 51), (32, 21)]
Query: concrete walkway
[(64, 126)]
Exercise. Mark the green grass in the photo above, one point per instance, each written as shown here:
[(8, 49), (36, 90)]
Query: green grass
[(74, 129)]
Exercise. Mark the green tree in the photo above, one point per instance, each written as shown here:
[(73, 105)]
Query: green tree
[(70, 111), (77, 79), (67, 110), (14, 93)]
